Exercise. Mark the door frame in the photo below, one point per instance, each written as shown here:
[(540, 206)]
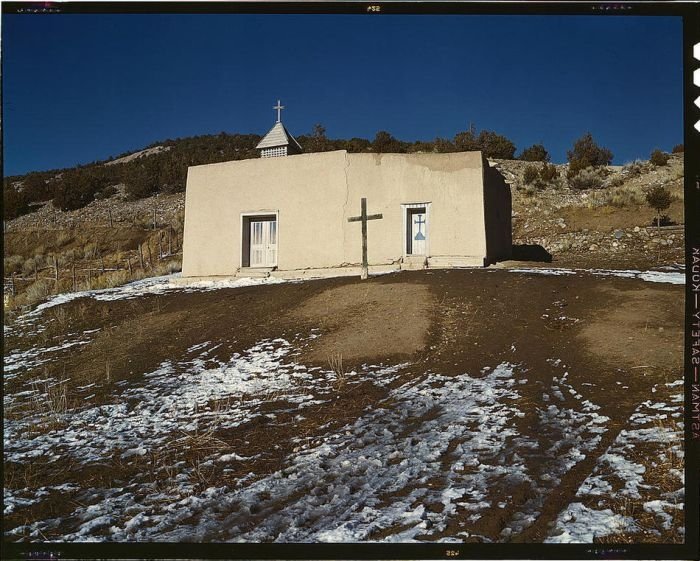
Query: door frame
[(405, 207), (245, 237)]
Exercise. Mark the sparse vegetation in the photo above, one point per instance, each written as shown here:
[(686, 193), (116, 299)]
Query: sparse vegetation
[(530, 175), (335, 362), (588, 178), (677, 149), (659, 198), (586, 153), (548, 172), (535, 153), (659, 158)]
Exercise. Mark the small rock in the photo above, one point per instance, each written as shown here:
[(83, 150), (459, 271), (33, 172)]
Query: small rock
[(618, 234), (615, 244), (636, 229), (593, 247)]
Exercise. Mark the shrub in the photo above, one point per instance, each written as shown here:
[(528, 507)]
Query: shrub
[(386, 143), (531, 173), (586, 153), (443, 145), (548, 172), (29, 266), (677, 149), (466, 141), (659, 158), (535, 153), (587, 178), (615, 181), (14, 202), (659, 198), (491, 144), (37, 291), (496, 146), (633, 169), (107, 192), (13, 264), (529, 191)]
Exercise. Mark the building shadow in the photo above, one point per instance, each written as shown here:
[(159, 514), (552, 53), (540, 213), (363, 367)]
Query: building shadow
[(531, 252)]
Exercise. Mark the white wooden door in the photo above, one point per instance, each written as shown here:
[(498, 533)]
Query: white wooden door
[(418, 231), (263, 243)]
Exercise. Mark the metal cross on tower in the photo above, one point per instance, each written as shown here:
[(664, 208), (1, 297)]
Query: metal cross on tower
[(279, 108), (364, 218)]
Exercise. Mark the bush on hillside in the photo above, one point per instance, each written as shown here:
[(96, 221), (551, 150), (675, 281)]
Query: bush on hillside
[(37, 187), (530, 175), (355, 145), (77, 188), (386, 143), (466, 141), (659, 158), (496, 146), (659, 198), (535, 153), (548, 172), (443, 145), (317, 140), (12, 264), (677, 149), (107, 192), (586, 153), (633, 169), (14, 202), (587, 178)]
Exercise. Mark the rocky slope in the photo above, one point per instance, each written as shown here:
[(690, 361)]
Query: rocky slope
[(607, 227)]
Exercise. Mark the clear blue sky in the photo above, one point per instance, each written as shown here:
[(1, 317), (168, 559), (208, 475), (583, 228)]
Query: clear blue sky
[(78, 88)]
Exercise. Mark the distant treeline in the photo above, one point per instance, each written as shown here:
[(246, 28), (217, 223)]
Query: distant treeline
[(166, 171)]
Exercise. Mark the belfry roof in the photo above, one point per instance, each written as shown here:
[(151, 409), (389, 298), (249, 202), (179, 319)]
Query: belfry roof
[(278, 136)]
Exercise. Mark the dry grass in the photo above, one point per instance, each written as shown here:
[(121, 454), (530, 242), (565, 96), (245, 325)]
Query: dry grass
[(660, 466), (335, 362)]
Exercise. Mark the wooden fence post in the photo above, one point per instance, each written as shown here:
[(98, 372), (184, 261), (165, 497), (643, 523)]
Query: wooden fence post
[(75, 284), (154, 218), (160, 245), (55, 266), (141, 256), (109, 211), (128, 262), (150, 257), (170, 239)]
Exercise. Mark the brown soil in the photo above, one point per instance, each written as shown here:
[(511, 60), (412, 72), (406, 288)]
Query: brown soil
[(370, 320), (451, 322), (609, 218)]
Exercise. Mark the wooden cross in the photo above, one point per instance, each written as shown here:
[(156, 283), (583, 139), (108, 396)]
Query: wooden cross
[(364, 218), (279, 108)]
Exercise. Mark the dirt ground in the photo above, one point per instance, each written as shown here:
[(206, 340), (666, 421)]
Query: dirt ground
[(617, 337)]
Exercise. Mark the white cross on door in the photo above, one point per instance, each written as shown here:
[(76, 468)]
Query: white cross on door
[(418, 232)]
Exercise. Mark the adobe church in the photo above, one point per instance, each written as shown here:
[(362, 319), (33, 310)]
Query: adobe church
[(294, 214)]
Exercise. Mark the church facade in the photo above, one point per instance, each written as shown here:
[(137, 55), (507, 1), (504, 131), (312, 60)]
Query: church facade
[(297, 215)]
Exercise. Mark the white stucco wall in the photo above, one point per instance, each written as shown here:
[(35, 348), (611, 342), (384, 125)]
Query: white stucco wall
[(314, 194)]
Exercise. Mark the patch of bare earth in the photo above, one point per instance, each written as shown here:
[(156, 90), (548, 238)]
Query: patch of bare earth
[(368, 321)]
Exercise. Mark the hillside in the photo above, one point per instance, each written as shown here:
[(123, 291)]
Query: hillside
[(115, 238), (166, 412)]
